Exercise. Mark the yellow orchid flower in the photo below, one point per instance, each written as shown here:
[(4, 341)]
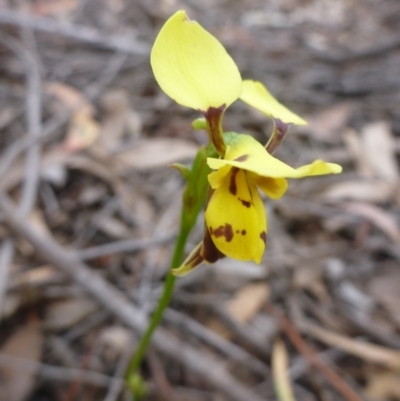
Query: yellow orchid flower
[(236, 224), (194, 69)]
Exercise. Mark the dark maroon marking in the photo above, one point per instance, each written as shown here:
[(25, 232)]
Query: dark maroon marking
[(263, 236), (241, 158), (243, 232), (213, 113), (245, 202), (278, 135), (223, 231), (196, 257), (210, 252), (195, 260), (232, 183), (214, 116)]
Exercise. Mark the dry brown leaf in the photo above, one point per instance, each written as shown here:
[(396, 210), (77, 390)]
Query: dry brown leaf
[(113, 227), (311, 278), (53, 7), (327, 124), (36, 277), (355, 147), (65, 314), (119, 120), (38, 222), (379, 148), (375, 191), (83, 132), (242, 307), (247, 301), (11, 304), (17, 383), (157, 152), (72, 98), (385, 289), (377, 216), (115, 340), (364, 350), (282, 385), (383, 386)]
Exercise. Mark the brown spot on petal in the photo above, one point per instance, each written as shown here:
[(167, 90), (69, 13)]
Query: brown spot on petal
[(223, 231), (232, 183), (210, 252), (263, 236), (245, 203), (242, 158), (243, 232)]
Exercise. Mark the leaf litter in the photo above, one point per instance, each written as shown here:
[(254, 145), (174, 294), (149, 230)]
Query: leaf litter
[(332, 261)]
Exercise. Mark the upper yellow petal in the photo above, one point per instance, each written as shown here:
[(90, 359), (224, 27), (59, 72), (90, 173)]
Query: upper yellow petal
[(192, 67), (257, 95)]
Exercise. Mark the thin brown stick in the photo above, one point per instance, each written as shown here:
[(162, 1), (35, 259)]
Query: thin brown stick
[(27, 54), (310, 354), (209, 369), (122, 246), (218, 342), (75, 32), (58, 373), (163, 386)]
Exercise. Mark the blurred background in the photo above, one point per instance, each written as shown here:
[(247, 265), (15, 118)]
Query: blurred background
[(89, 210)]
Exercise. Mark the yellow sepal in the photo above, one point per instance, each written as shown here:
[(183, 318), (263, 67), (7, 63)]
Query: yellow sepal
[(192, 67)]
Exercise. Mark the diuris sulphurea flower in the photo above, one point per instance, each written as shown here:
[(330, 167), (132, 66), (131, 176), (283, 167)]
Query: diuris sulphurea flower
[(195, 70)]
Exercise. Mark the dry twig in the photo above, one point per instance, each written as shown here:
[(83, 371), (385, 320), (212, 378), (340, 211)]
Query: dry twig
[(76, 32), (305, 349), (28, 56)]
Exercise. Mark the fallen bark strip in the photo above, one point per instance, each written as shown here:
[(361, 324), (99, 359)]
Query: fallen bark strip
[(209, 369)]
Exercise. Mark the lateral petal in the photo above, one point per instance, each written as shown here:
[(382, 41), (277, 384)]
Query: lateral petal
[(257, 95)]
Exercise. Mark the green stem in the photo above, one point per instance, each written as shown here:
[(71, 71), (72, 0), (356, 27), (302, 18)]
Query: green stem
[(193, 199), (163, 301)]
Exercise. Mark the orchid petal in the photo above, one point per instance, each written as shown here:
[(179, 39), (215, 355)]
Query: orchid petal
[(262, 223), (232, 217), (257, 95), (246, 153), (192, 67)]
